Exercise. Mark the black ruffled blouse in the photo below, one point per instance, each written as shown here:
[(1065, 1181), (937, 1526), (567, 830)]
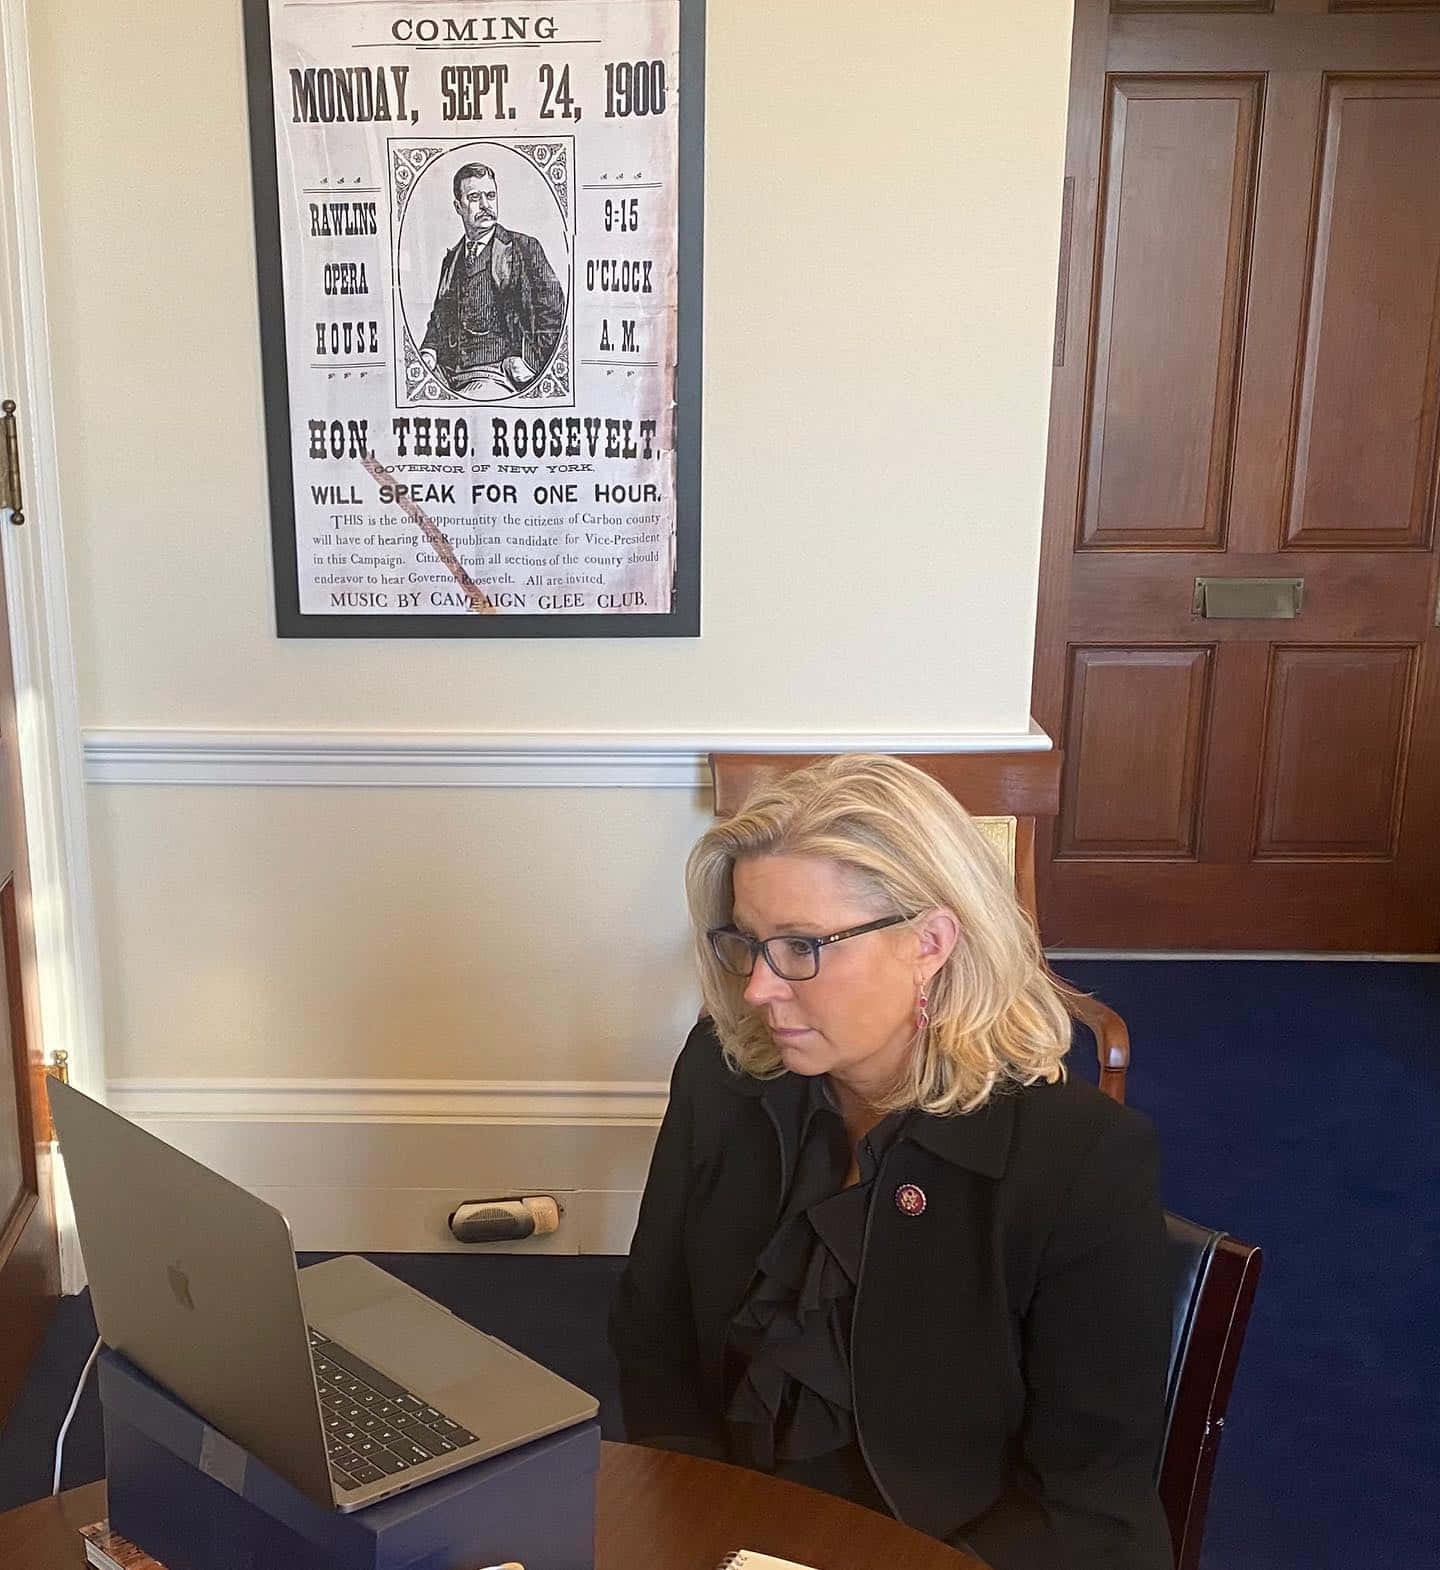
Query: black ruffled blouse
[(789, 1345)]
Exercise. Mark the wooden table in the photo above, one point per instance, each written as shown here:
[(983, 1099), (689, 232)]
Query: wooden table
[(654, 1511)]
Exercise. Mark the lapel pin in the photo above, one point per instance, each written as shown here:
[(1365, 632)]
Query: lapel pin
[(910, 1199)]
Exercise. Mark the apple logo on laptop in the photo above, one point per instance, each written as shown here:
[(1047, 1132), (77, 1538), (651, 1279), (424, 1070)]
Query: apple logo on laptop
[(180, 1286)]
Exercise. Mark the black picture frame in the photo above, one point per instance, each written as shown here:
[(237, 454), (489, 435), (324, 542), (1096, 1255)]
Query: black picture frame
[(683, 620)]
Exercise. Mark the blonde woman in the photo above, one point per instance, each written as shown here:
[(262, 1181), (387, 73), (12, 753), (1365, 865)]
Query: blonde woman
[(887, 1248)]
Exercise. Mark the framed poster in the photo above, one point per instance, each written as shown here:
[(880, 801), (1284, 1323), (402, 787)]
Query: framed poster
[(479, 236)]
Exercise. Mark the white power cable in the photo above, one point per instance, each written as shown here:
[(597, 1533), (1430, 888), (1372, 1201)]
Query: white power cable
[(74, 1402)]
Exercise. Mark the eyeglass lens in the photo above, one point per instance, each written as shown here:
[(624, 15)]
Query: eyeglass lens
[(793, 959)]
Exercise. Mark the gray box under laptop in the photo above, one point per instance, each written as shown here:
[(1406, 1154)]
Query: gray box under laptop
[(195, 1501)]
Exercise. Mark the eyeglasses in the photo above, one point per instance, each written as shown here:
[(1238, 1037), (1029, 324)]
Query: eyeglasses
[(790, 956)]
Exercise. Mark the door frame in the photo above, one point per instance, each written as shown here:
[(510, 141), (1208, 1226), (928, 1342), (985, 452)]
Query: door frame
[(48, 740), (1069, 377)]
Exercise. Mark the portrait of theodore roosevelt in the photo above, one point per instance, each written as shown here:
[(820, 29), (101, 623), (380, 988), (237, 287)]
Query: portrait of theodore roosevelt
[(499, 309)]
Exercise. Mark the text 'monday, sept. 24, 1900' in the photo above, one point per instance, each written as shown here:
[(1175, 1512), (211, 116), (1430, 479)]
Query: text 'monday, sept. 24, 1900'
[(476, 258)]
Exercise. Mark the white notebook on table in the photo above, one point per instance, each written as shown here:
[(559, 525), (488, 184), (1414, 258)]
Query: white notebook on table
[(748, 1559)]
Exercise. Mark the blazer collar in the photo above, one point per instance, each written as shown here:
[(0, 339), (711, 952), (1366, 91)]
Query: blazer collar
[(978, 1140)]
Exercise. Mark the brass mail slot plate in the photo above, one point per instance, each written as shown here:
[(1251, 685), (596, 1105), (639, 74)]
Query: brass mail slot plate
[(1249, 599)]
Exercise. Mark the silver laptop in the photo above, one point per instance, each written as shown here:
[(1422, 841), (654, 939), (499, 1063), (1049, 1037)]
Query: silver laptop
[(345, 1381)]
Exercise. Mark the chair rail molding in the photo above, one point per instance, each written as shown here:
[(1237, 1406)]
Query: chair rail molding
[(591, 1102), (575, 759)]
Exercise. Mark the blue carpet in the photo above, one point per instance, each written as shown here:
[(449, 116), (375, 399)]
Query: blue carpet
[(1298, 1106)]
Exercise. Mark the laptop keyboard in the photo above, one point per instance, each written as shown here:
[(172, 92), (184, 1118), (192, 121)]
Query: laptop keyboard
[(374, 1428)]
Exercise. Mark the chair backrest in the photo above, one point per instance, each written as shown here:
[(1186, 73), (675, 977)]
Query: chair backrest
[(1214, 1280)]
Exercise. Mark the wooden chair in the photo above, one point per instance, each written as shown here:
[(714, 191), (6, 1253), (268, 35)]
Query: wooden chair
[(1214, 1284), (1005, 792)]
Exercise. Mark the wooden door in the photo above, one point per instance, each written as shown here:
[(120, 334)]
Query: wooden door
[(1247, 386), (29, 1256)]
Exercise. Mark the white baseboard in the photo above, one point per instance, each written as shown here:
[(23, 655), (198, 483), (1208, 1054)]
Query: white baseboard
[(378, 1165), (414, 1221)]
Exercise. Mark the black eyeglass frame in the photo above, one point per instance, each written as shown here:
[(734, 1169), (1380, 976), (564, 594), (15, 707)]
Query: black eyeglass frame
[(761, 946)]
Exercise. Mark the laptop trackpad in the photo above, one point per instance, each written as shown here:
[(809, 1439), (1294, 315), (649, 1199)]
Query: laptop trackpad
[(418, 1346)]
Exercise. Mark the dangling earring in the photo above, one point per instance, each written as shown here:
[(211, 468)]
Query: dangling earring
[(922, 1013)]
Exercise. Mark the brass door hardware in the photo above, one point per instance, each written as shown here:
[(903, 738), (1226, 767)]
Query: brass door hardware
[(1248, 599), (11, 496), (57, 1068)]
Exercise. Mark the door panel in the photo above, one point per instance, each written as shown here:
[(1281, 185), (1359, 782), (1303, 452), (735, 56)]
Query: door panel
[(1171, 295), (1364, 471), (1329, 792), (1125, 794), (1250, 388)]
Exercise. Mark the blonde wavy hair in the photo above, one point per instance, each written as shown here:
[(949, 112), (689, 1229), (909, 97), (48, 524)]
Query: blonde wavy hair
[(997, 1016)]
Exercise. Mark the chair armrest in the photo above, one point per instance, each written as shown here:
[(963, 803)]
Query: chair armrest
[(1112, 1042)]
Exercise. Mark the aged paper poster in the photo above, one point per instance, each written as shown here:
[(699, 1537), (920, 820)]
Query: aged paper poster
[(481, 342)]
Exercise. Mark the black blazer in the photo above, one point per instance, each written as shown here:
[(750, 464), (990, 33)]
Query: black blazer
[(1010, 1341)]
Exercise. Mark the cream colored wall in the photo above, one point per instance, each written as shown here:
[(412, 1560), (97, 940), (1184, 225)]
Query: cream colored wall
[(882, 210), (882, 205), (401, 933)]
